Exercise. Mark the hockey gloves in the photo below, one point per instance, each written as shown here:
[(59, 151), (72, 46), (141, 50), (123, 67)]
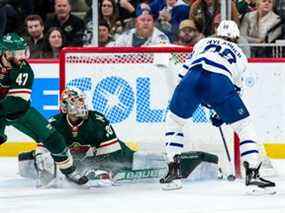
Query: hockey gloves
[(216, 120)]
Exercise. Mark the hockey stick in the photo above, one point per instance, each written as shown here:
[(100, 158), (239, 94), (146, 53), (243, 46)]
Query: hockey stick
[(230, 177)]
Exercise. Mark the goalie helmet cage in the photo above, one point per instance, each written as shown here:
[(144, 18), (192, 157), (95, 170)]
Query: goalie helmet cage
[(132, 88)]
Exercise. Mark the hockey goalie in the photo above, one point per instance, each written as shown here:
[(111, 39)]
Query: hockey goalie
[(100, 155)]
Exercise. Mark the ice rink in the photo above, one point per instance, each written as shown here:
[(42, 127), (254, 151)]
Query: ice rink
[(18, 195)]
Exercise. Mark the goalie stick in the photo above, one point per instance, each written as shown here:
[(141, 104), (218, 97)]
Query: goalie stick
[(132, 175), (231, 176)]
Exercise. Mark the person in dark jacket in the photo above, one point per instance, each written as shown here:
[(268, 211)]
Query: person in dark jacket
[(71, 26)]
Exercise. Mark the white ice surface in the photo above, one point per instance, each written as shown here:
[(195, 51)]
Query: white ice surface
[(18, 195)]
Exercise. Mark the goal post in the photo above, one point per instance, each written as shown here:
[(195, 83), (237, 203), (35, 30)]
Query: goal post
[(132, 88)]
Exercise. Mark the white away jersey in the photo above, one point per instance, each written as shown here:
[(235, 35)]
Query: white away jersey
[(219, 56)]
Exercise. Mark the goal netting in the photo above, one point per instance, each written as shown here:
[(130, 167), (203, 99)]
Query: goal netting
[(132, 87)]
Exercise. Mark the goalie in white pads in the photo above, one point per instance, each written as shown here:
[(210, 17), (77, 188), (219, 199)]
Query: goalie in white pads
[(98, 152), (212, 77)]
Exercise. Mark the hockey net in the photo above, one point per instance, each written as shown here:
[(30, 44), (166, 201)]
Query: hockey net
[(132, 88)]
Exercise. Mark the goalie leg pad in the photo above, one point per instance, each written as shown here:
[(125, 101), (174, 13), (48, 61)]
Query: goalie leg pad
[(26, 165), (199, 166), (144, 160), (37, 164)]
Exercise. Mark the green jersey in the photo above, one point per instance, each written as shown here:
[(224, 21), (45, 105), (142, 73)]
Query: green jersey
[(18, 80), (94, 132)]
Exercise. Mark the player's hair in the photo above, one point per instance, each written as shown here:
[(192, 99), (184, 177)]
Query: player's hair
[(34, 18), (68, 1), (259, 1)]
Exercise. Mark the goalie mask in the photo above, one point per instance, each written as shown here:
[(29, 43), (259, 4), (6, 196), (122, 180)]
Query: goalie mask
[(73, 103)]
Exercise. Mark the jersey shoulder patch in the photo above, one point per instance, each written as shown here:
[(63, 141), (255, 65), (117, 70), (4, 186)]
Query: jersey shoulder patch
[(24, 65), (55, 118), (98, 116)]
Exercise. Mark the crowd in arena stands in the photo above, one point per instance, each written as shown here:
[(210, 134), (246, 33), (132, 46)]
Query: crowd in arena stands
[(50, 25)]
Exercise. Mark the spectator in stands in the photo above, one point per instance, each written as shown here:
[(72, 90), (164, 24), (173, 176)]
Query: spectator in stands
[(261, 26), (280, 10), (204, 11), (71, 26), (189, 33), (35, 28), (148, 5), (144, 34), (245, 6), (171, 13), (104, 34), (127, 12), (53, 42), (109, 12)]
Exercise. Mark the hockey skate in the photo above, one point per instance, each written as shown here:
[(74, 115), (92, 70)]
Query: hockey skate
[(172, 179), (255, 184)]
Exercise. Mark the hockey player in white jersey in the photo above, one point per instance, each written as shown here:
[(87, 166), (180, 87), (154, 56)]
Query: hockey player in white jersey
[(212, 77)]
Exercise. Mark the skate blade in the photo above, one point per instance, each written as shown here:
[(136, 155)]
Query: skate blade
[(255, 190), (174, 185)]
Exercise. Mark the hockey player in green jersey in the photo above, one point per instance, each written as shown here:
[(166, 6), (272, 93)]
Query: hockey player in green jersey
[(16, 80), (87, 130), (95, 146)]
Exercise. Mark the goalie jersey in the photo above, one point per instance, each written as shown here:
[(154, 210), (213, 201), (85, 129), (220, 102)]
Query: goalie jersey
[(95, 132), (219, 56)]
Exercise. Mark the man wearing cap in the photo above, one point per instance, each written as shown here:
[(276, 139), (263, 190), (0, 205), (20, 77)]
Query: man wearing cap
[(189, 34), (144, 34)]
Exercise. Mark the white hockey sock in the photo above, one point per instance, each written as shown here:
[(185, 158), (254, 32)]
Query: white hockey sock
[(174, 137), (249, 148)]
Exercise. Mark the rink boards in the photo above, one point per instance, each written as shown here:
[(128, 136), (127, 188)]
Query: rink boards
[(264, 96)]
